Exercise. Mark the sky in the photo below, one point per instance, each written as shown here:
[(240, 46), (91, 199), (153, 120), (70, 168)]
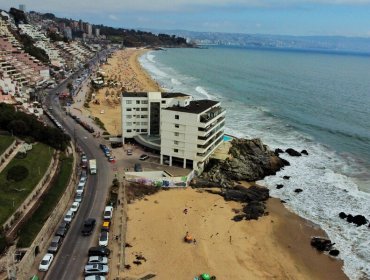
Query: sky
[(284, 17)]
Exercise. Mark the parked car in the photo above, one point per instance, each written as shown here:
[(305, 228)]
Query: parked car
[(88, 226), (105, 226), (46, 262), (107, 154), (137, 167), (55, 244), (111, 159), (97, 260), (80, 189), (103, 238), (108, 213), (95, 277), (129, 152), (99, 251), (144, 157), (83, 180), (75, 206), (62, 229), (96, 269), (69, 216), (83, 158), (78, 197)]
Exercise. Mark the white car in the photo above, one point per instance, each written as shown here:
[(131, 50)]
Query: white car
[(75, 206), (104, 238), (108, 213), (97, 260), (83, 180), (69, 216), (80, 189), (46, 262), (95, 277), (78, 197)]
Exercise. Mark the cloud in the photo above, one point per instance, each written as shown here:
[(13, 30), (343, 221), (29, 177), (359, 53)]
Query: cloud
[(113, 17)]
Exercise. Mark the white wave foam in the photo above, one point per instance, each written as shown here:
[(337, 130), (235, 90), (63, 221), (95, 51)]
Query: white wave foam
[(202, 91), (325, 194), (150, 56), (175, 81)]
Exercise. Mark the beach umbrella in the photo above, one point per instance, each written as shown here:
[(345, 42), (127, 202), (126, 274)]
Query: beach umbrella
[(205, 276)]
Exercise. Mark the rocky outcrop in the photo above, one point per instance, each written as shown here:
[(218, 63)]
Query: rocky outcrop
[(358, 220), (304, 152), (249, 160), (279, 186), (293, 152)]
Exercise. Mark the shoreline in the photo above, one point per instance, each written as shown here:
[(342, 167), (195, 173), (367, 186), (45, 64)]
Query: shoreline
[(275, 246), (112, 116)]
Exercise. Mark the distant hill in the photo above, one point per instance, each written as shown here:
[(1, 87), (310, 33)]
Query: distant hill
[(333, 43)]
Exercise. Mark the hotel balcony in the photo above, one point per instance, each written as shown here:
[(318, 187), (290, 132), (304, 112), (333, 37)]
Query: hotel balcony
[(211, 114), (211, 138), (203, 132), (204, 154)]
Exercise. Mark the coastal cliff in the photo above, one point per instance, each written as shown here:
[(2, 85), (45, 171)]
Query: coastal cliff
[(249, 160)]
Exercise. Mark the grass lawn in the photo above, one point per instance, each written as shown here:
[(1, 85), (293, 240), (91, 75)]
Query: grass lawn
[(32, 227), (12, 193), (5, 142)]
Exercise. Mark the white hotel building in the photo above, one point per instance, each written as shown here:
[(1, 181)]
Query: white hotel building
[(184, 131)]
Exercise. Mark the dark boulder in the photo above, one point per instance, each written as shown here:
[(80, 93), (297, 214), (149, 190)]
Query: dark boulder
[(286, 177), (321, 244), (304, 152), (238, 218), (342, 215), (349, 218), (298, 190), (242, 194), (293, 152), (279, 186), (334, 252), (359, 220), (253, 210), (278, 151)]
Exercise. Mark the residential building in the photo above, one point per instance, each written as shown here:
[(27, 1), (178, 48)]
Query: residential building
[(184, 131), (97, 32)]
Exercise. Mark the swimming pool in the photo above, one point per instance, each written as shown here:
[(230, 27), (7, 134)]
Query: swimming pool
[(227, 138)]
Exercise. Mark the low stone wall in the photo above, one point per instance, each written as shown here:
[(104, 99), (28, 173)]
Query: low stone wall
[(33, 196), (41, 242), (7, 152)]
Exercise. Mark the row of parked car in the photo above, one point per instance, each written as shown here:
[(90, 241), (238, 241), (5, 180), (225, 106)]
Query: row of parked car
[(62, 230), (97, 264), (107, 152), (53, 119), (85, 125)]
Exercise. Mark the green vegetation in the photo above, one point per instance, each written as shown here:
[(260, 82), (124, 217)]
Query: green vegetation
[(32, 50), (17, 173), (99, 123), (27, 126), (32, 227), (5, 142), (13, 193)]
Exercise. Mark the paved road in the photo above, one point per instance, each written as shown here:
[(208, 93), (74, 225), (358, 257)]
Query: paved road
[(72, 256)]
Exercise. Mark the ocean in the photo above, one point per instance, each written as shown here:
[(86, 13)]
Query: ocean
[(318, 101)]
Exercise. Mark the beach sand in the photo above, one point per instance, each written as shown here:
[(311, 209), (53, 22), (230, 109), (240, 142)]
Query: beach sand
[(276, 246), (124, 68)]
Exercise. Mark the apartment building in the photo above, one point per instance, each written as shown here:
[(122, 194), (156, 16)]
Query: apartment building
[(184, 131)]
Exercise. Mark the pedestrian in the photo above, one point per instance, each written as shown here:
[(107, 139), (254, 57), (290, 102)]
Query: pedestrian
[(195, 241)]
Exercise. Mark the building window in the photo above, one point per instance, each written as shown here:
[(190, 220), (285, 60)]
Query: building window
[(129, 123), (144, 102), (177, 126), (137, 101), (144, 123), (163, 102), (128, 109), (144, 130), (144, 116), (128, 130), (176, 142), (128, 101), (176, 150), (176, 134), (128, 117), (144, 109), (177, 117)]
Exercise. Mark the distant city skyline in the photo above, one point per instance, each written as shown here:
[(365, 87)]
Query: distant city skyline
[(285, 17)]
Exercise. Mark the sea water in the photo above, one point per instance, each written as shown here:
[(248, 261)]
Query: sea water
[(318, 101)]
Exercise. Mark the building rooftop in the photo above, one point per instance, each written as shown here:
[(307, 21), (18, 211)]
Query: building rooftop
[(195, 107), (145, 94)]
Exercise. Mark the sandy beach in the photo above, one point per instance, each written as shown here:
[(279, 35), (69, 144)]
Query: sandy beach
[(276, 246), (124, 69)]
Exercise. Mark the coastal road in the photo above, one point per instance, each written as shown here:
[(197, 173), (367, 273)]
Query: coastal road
[(72, 256)]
